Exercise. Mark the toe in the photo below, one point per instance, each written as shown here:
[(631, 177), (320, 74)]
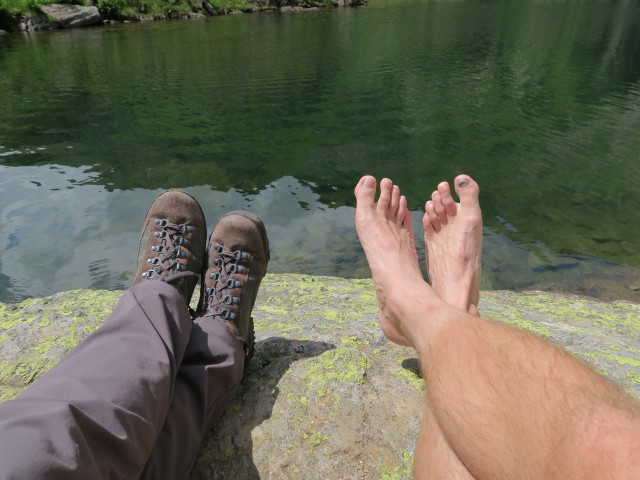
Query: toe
[(430, 211), (448, 202), (467, 190), (404, 215), (386, 186), (394, 203), (407, 222), (365, 191), (439, 207), (427, 225), (402, 209)]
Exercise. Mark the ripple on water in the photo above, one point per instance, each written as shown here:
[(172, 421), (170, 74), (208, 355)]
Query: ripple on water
[(539, 102)]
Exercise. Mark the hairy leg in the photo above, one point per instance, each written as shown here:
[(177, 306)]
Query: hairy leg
[(434, 459), (510, 405), (453, 242)]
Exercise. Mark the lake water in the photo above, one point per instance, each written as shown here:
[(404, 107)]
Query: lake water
[(282, 113)]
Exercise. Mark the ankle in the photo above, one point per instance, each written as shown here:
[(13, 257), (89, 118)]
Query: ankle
[(456, 290), (416, 310)]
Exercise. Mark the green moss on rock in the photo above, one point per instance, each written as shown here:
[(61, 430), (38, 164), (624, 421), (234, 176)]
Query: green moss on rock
[(325, 388), (39, 332)]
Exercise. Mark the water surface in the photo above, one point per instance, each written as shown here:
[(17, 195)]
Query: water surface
[(282, 113)]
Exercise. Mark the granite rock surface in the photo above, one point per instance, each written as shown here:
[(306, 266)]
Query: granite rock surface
[(326, 395), (72, 16)]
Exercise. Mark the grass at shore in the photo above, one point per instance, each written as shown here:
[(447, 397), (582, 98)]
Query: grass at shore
[(12, 10), (163, 8), (31, 6)]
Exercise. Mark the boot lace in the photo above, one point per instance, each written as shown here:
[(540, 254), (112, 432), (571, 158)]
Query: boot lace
[(166, 264), (217, 298)]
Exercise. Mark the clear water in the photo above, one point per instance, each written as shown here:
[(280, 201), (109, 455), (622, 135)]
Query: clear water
[(282, 113)]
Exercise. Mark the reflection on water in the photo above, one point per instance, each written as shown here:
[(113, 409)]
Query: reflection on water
[(61, 234), (281, 114)]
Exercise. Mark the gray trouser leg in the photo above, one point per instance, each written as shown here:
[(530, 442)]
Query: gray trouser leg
[(98, 412), (207, 379)]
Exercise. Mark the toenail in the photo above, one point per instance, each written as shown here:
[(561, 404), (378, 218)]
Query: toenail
[(463, 182), (369, 182)]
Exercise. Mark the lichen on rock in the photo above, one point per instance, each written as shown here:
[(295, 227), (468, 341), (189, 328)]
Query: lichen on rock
[(36, 333), (326, 395)]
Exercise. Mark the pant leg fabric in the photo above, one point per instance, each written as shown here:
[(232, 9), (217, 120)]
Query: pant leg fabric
[(98, 412), (208, 377)]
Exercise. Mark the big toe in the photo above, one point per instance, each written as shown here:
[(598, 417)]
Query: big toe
[(365, 191), (467, 190)]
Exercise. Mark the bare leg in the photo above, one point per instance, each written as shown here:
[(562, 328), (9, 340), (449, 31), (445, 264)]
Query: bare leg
[(390, 215), (509, 404), (434, 457), (453, 240)]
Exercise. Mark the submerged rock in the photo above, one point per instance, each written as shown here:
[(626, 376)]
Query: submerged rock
[(326, 395)]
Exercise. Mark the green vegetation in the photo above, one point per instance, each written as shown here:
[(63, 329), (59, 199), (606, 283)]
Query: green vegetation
[(22, 6), (111, 8), (133, 9), (124, 9), (12, 10), (228, 5)]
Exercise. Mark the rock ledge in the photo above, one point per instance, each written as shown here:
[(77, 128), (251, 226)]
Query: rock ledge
[(72, 16), (326, 395)]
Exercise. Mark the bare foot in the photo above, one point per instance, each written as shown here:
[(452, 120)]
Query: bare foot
[(386, 235), (453, 239)]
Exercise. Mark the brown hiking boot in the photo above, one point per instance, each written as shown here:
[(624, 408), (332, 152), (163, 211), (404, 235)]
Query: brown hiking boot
[(171, 247), (238, 251)]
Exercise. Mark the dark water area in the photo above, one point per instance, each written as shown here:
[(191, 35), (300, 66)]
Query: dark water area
[(282, 113)]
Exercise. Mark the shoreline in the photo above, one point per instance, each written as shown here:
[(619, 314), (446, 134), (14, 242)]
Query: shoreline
[(56, 16), (36, 333), (548, 290)]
